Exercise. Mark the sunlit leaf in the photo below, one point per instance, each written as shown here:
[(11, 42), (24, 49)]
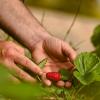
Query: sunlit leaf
[(86, 65)]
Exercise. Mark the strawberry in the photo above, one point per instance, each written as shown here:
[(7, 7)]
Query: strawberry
[(53, 76)]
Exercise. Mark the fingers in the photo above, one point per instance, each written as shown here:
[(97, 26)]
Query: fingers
[(66, 84), (16, 47), (68, 51), (21, 59), (38, 56), (60, 83), (14, 79), (23, 75), (19, 73), (10, 45), (26, 62), (57, 48)]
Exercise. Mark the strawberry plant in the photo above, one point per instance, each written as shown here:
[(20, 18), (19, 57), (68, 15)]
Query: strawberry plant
[(83, 82), (95, 39), (87, 68)]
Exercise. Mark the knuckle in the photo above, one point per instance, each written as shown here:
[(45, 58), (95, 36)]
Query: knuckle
[(9, 52), (11, 45)]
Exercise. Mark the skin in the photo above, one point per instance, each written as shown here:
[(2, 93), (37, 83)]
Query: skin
[(12, 54), (60, 83), (18, 21)]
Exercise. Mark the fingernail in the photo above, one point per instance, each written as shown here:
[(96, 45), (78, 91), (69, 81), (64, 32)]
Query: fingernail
[(48, 82)]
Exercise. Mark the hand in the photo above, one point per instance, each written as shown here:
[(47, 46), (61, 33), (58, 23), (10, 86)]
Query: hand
[(58, 53), (13, 55)]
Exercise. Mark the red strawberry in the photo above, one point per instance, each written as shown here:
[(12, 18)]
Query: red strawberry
[(53, 76)]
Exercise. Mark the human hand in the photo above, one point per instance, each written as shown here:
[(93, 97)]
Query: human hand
[(58, 53), (13, 55)]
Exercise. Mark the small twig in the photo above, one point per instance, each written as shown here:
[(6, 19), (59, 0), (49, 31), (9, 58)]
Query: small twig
[(76, 46), (42, 21), (76, 93), (73, 21), (79, 43)]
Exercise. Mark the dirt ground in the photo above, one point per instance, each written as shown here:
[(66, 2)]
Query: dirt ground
[(58, 23)]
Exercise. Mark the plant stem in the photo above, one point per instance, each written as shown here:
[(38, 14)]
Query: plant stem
[(73, 21)]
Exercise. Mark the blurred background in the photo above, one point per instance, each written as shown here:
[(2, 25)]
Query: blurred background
[(57, 16), (88, 7)]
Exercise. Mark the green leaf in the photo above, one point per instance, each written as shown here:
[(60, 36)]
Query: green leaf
[(85, 79), (89, 92), (96, 71), (21, 91), (85, 62), (96, 36), (97, 51), (42, 63), (87, 65), (4, 74), (65, 74)]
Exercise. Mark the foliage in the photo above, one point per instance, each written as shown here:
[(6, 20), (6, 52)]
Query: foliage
[(87, 68), (66, 75), (22, 91), (89, 92), (95, 39), (26, 91), (96, 36), (97, 51)]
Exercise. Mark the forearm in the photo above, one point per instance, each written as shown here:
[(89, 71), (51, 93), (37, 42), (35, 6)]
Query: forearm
[(17, 21)]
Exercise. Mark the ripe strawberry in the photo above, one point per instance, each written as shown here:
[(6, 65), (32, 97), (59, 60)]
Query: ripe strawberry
[(53, 76)]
